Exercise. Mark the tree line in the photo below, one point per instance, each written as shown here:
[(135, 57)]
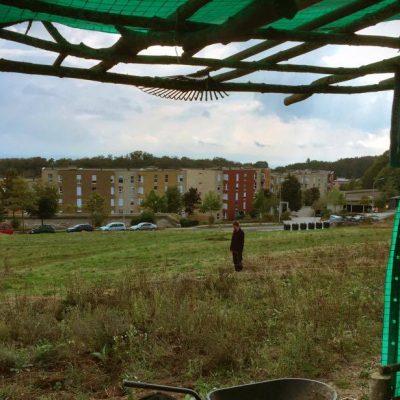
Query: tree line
[(32, 167)]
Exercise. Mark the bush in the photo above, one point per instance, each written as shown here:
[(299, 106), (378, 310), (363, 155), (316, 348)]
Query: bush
[(186, 222), (145, 216)]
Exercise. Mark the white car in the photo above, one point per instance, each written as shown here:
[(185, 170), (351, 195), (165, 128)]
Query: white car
[(144, 226), (113, 226)]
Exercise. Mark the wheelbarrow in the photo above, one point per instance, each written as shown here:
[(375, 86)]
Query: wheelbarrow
[(276, 389)]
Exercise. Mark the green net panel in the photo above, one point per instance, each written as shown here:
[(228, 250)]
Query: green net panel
[(215, 12), (391, 332)]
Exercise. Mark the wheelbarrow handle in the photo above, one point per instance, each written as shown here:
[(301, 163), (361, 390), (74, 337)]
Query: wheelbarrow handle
[(144, 385)]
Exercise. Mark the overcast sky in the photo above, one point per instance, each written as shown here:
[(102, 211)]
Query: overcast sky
[(52, 117)]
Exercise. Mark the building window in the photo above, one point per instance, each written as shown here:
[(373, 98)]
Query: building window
[(141, 178), (236, 196), (112, 202), (120, 202), (140, 190), (120, 179), (166, 178), (94, 178), (121, 211), (132, 203), (120, 189), (132, 179), (132, 189), (155, 178), (244, 205), (59, 177), (78, 191), (180, 178), (237, 186), (225, 177), (50, 178), (112, 180), (140, 201), (219, 188), (225, 206), (237, 177), (94, 188), (60, 201), (165, 188), (60, 190), (244, 194), (217, 215), (155, 187), (219, 178), (180, 188), (79, 203), (78, 179), (112, 190)]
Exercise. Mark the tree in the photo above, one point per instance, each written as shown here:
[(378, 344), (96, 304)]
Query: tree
[(211, 202), (174, 200), (155, 202), (46, 201), (291, 192), (264, 202), (20, 198), (310, 196), (95, 205), (335, 198), (191, 199)]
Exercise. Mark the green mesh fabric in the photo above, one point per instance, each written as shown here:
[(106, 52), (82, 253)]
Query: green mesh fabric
[(391, 333), (215, 12)]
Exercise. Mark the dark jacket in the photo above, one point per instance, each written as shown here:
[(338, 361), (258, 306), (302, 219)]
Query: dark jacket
[(237, 241)]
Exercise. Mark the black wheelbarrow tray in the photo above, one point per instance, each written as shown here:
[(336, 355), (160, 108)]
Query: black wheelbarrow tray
[(276, 389)]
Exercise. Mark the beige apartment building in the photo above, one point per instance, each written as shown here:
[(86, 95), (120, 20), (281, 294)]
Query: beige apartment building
[(323, 180), (123, 189)]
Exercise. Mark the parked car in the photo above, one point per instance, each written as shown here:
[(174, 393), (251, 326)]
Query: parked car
[(43, 229), (335, 219), (113, 226), (80, 228), (5, 228), (144, 226)]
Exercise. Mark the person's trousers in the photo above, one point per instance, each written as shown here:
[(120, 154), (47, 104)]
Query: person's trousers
[(237, 260)]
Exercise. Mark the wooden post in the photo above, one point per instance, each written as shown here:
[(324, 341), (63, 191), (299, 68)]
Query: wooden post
[(395, 126), (379, 387)]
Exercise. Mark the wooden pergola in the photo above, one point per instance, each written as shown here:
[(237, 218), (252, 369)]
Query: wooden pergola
[(304, 25)]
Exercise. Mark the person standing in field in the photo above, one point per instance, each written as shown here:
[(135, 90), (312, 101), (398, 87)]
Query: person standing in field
[(237, 244)]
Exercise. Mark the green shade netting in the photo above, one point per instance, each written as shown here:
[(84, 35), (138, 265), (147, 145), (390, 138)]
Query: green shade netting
[(215, 12), (391, 332)]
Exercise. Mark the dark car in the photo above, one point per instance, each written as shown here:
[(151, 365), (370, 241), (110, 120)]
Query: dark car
[(5, 228), (43, 229), (80, 228)]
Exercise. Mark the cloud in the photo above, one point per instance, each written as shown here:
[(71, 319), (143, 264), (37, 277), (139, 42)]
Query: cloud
[(56, 117)]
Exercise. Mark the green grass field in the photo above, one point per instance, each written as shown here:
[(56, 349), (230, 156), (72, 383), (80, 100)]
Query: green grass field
[(80, 312)]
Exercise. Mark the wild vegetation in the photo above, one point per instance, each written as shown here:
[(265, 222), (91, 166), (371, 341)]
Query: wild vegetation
[(80, 312)]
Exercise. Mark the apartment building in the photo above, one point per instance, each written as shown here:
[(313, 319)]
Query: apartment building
[(240, 186), (123, 189), (323, 180)]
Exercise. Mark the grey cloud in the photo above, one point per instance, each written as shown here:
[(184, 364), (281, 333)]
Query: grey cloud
[(206, 114)]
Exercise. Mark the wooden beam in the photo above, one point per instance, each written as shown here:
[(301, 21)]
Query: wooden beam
[(182, 85), (185, 11), (341, 12), (395, 124), (256, 14), (100, 17), (383, 66), (324, 38), (62, 46), (367, 20)]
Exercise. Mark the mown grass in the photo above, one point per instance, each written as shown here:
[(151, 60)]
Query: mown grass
[(81, 312)]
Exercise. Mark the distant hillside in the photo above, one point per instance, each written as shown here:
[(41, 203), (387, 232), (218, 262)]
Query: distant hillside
[(351, 168)]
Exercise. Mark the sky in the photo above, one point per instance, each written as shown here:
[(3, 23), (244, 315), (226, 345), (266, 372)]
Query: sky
[(54, 118)]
